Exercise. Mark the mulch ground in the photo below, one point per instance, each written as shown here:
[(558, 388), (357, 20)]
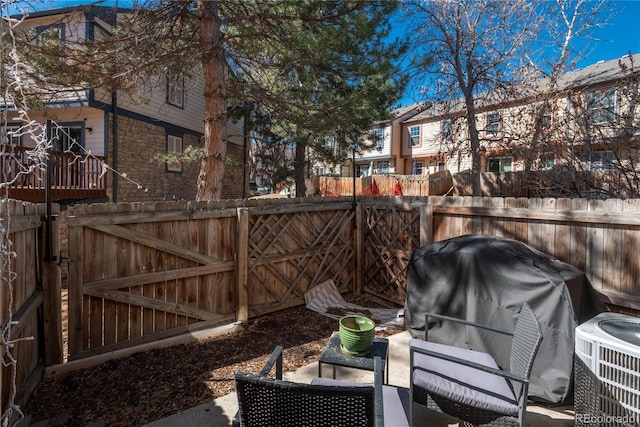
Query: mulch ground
[(157, 383)]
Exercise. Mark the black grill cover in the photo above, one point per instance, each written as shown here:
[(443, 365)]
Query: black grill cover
[(487, 279)]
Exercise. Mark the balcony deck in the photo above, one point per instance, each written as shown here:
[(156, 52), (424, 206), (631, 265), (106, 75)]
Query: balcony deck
[(73, 176)]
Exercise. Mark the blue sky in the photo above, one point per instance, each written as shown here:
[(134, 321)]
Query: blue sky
[(619, 36)]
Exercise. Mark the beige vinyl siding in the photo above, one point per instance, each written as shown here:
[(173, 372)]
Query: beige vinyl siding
[(151, 101), (430, 139), (93, 119), (373, 152), (74, 24), (73, 27)]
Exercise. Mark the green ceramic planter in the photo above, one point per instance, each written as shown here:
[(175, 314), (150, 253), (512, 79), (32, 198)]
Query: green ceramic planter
[(356, 335)]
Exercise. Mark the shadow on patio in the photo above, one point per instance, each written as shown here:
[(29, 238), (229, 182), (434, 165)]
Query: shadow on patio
[(220, 412)]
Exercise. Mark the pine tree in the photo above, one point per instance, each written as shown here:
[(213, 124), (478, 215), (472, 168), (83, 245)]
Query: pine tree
[(313, 67)]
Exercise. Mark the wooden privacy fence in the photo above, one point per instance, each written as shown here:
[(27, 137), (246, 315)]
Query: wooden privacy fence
[(531, 184), (143, 272), (29, 300), (438, 183)]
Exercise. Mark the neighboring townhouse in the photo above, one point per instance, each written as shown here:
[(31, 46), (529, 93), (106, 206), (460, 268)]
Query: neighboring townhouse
[(127, 131), (589, 118), (384, 156)]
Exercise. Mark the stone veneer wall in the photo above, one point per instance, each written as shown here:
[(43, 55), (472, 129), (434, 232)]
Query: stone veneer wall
[(148, 180)]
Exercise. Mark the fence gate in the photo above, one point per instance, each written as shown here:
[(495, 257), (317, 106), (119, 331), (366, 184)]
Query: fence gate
[(391, 233), (140, 276), (29, 300)]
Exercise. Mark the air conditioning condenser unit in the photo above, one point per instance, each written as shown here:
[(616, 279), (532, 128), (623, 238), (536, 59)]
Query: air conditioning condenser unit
[(607, 371)]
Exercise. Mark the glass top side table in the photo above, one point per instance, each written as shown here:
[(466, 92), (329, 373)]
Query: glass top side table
[(331, 355)]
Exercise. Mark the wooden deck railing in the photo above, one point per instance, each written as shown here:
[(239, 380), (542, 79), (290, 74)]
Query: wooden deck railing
[(74, 176)]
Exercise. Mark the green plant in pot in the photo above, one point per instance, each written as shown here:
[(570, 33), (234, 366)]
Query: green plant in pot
[(356, 335)]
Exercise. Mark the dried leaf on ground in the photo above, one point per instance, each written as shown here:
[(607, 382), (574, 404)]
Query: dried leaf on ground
[(157, 383)]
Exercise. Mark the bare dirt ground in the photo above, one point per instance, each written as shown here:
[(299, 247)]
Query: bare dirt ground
[(155, 384)]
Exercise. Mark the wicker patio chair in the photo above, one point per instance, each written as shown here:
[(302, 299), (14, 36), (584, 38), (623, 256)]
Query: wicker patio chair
[(272, 402), (469, 385)]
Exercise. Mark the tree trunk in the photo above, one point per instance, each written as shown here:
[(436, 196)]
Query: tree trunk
[(474, 139), (215, 119), (299, 167)]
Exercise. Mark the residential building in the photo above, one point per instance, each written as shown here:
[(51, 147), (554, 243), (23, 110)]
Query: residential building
[(589, 118), (384, 156), (113, 145)]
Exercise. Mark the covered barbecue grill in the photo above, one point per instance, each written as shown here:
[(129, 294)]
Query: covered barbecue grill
[(487, 279)]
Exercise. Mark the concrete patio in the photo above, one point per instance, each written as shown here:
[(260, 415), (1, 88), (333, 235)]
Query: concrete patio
[(220, 412)]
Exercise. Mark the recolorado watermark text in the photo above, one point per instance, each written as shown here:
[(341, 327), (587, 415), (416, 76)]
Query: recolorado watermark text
[(621, 420)]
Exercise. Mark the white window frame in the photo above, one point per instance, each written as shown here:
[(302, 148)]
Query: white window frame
[(69, 137), (54, 33), (414, 137), (543, 114), (602, 106), (546, 161), (419, 168), (49, 31), (9, 135), (176, 91), (601, 160), (363, 170), (490, 124), (377, 135), (174, 145), (505, 163), (382, 167), (446, 129)]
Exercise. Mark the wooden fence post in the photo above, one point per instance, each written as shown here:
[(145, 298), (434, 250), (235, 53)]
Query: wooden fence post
[(358, 249), (426, 224), (51, 286), (242, 270)]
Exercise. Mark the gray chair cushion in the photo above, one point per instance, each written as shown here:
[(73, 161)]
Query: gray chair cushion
[(462, 383), (395, 401)]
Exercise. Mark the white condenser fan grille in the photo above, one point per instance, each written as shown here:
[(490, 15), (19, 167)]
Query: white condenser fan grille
[(607, 371)]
